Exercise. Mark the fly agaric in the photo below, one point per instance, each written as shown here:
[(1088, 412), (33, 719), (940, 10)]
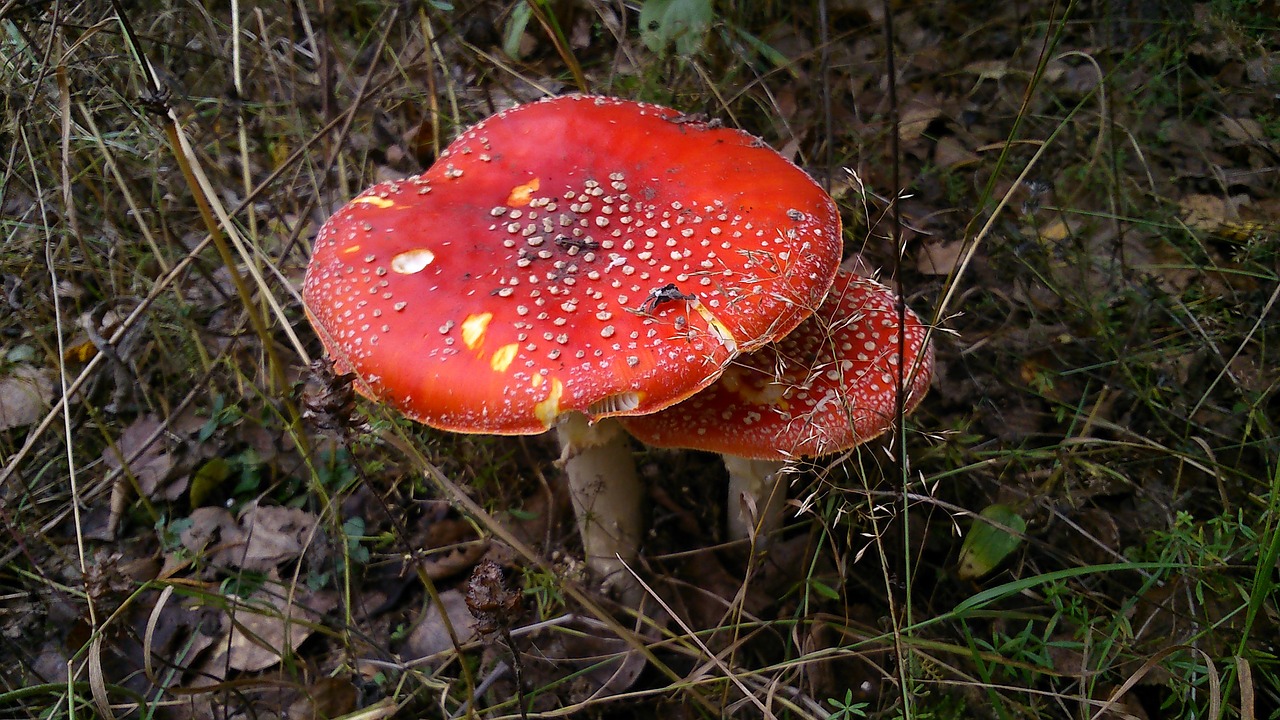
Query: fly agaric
[(829, 385), (568, 261)]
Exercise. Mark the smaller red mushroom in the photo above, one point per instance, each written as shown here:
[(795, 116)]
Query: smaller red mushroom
[(828, 386)]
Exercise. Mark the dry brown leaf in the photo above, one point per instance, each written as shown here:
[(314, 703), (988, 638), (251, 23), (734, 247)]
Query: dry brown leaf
[(917, 113), (1208, 212), (938, 258), (270, 623), (179, 631), (580, 37), (262, 537), (150, 465), (272, 535), (328, 697), (988, 69), (449, 546), (950, 154), (431, 635), (25, 395), (610, 666), (1242, 129), (208, 525)]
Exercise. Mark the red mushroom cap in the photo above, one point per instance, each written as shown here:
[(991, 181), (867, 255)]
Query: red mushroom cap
[(576, 254), (826, 387)]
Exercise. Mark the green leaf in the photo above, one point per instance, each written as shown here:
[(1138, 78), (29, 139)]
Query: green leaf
[(683, 23), (775, 58), (207, 479), (823, 589), (523, 515), (989, 543), (353, 528), (1008, 589), (514, 31)]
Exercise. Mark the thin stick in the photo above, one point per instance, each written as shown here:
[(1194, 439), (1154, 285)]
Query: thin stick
[(901, 625)]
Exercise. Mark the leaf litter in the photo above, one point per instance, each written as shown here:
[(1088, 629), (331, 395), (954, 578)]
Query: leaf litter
[(255, 560)]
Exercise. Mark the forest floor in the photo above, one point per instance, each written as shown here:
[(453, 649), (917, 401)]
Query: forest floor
[(1082, 199)]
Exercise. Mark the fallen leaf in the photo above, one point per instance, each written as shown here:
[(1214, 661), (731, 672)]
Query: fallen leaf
[(938, 258), (917, 113), (80, 352), (950, 154), (271, 535), (25, 395), (608, 664), (1242, 129), (987, 545), (1208, 212), (148, 463), (268, 623), (580, 36), (431, 635), (208, 478), (264, 627), (1055, 231), (210, 528), (327, 697), (451, 554), (262, 537), (988, 69), (149, 466)]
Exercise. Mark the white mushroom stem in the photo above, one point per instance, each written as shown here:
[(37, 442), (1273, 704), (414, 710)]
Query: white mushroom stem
[(607, 496), (757, 496)]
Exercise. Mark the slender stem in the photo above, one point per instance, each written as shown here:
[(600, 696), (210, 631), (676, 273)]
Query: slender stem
[(515, 669), (757, 496), (607, 498)]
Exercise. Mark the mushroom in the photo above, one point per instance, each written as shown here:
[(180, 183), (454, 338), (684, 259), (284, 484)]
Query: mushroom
[(565, 262), (828, 386)]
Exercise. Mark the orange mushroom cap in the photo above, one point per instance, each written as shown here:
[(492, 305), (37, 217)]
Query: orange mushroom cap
[(580, 254), (829, 385)]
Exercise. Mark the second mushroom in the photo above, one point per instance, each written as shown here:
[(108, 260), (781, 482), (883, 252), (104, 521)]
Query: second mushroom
[(829, 385)]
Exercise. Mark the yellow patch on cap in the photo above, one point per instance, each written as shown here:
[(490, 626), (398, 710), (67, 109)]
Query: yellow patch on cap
[(548, 410), (474, 327), (501, 360), (744, 384), (717, 328), (374, 200), (521, 194)]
